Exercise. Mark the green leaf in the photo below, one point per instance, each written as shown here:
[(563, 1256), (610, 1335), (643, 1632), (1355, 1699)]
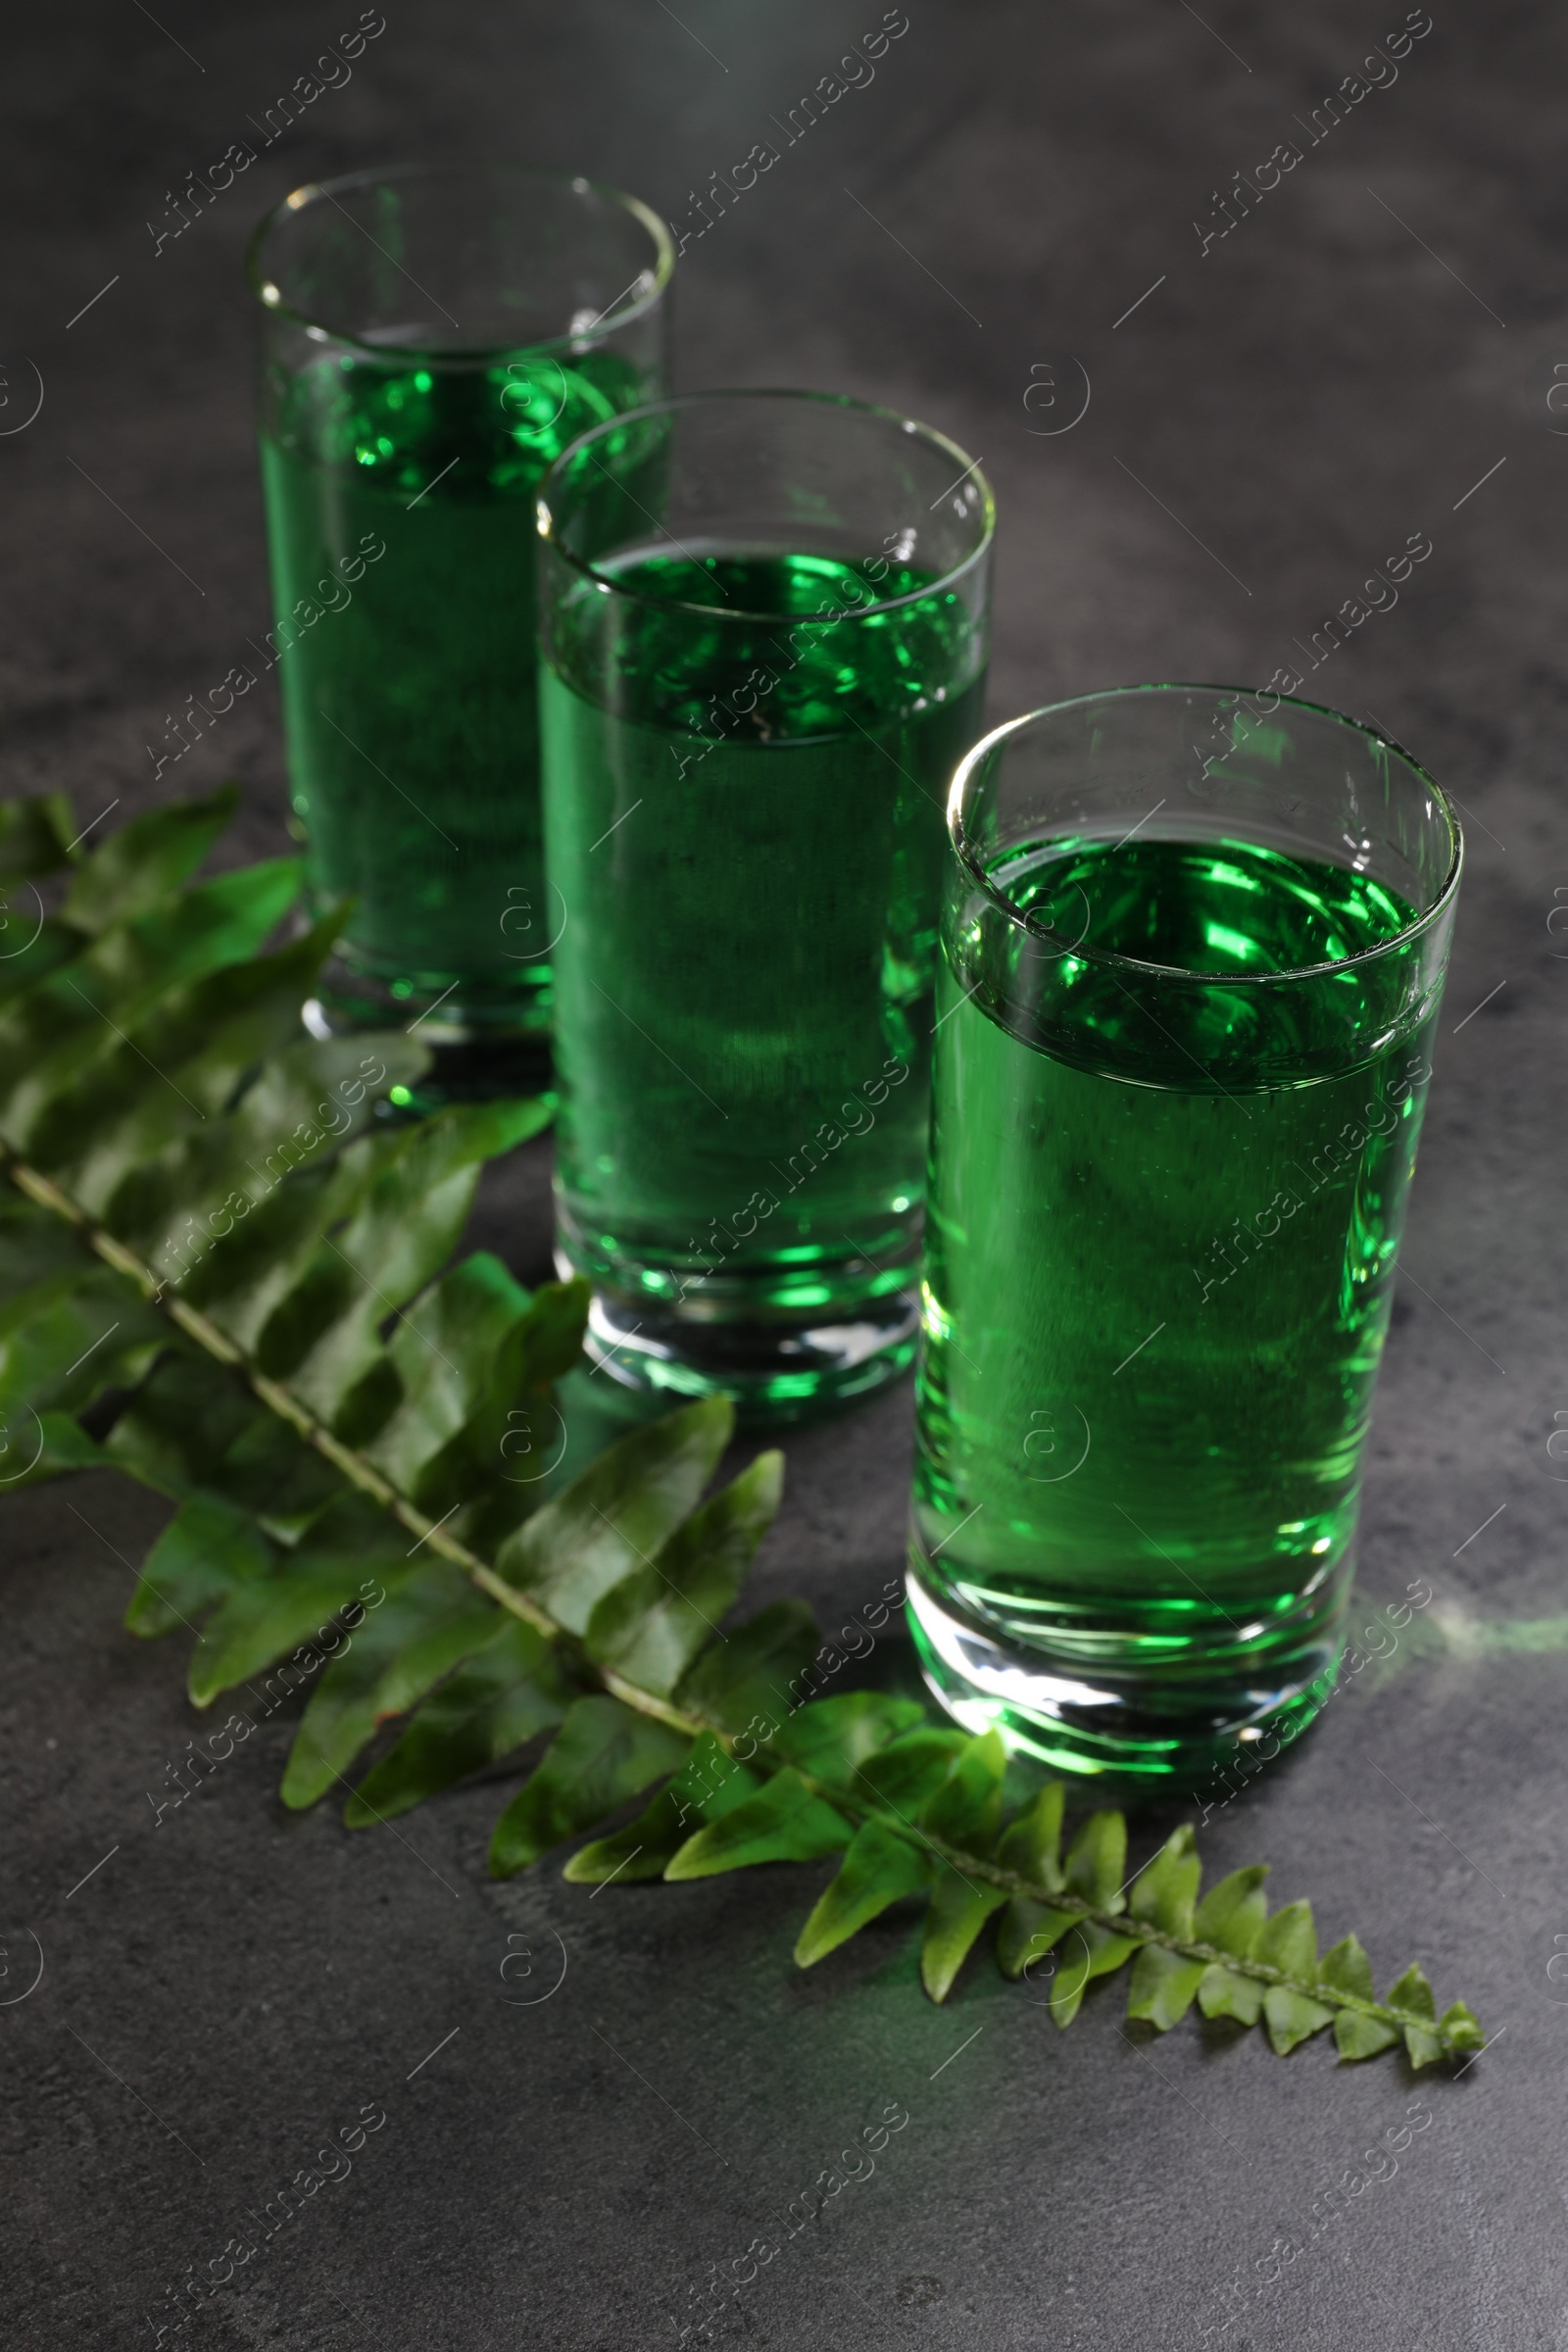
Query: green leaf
[(651, 1625), (189, 1203), (1360, 2036), (960, 1908), (270, 1471), (750, 1673), (1162, 1986), (256, 1281), (146, 861), (602, 1754), (65, 1340), (708, 1785), (177, 1431), (910, 1770), (966, 1810), (442, 1350), (179, 1073), (417, 1635), (621, 1511), (35, 1250), (496, 1465), (1289, 1941), (542, 1347), (1097, 1862), (206, 1551), (66, 1446), (505, 1695), (880, 1869), (1223, 1992), (1461, 2028), (1088, 1951), (785, 1822), (1167, 1888), (33, 837), (24, 966), (1032, 1843), (1413, 1994), (402, 1234), (1292, 2017), (1231, 1918), (79, 1015), (1232, 1913), (353, 1549), (1348, 1970), (1029, 1931), (834, 1738)]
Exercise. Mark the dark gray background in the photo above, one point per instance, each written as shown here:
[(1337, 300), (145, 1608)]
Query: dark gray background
[(1272, 421)]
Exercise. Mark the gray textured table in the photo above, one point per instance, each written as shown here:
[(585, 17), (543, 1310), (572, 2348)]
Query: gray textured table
[(1018, 199)]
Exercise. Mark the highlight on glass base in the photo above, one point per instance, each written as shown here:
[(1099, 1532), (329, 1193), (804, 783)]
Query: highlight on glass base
[(470, 1059), (1193, 948), (1134, 1708), (764, 641), (788, 1366), (450, 1009)]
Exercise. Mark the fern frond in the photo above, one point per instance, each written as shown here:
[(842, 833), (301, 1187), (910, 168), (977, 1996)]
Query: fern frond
[(225, 1271)]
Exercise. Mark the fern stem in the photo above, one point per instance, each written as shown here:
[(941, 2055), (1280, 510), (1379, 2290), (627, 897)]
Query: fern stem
[(45, 1194)]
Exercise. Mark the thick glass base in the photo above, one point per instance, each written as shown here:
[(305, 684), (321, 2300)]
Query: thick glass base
[(776, 1367), (1098, 1709), (485, 1043)]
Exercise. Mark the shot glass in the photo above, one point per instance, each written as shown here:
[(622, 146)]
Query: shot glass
[(764, 633), (432, 340), (1193, 946)]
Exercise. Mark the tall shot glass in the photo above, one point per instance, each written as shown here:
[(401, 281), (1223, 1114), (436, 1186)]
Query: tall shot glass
[(1192, 946), (764, 631), (432, 340)]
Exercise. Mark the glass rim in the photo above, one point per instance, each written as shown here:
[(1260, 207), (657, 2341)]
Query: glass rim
[(928, 434), (312, 191), (968, 768)]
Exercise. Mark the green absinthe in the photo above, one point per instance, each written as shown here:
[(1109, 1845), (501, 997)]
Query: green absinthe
[(749, 845), (1160, 1249), (409, 679)]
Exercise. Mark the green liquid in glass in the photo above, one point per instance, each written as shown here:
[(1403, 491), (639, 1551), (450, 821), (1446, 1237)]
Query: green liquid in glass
[(411, 710), (1161, 1239), (748, 847)]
